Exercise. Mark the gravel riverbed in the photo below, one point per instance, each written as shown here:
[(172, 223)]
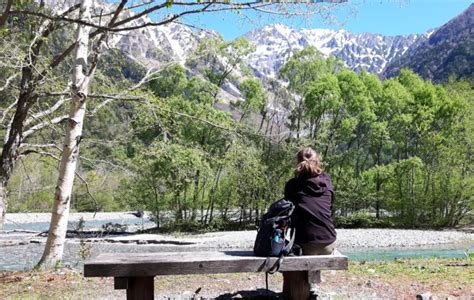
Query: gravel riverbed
[(346, 238)]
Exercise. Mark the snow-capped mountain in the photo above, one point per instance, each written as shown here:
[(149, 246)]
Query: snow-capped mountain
[(275, 44), (154, 45), (372, 52)]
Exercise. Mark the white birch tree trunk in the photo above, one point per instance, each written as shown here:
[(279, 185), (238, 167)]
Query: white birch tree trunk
[(53, 251)]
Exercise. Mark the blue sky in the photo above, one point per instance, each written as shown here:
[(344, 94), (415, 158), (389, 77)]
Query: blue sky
[(388, 17)]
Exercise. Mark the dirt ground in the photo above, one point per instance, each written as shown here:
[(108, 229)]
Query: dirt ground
[(442, 278)]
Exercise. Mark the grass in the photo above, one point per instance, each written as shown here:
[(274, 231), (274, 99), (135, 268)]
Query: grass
[(454, 271), (421, 269), (396, 279)]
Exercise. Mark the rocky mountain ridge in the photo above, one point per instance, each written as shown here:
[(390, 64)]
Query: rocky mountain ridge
[(371, 52), (448, 51), (274, 44)]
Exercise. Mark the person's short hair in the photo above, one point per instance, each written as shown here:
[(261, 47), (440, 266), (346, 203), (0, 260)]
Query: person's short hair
[(308, 163)]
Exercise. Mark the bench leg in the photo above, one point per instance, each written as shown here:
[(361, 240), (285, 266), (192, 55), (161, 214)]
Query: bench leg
[(137, 287), (295, 285), (314, 277)]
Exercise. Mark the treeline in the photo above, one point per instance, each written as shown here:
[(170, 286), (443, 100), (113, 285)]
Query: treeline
[(399, 150)]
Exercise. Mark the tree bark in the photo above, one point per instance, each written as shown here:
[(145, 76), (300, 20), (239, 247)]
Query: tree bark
[(3, 203), (195, 195), (4, 14), (53, 251)]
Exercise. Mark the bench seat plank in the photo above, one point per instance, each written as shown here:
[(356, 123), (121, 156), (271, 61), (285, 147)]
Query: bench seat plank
[(180, 263)]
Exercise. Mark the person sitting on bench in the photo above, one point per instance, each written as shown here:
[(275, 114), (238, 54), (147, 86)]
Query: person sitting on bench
[(312, 193)]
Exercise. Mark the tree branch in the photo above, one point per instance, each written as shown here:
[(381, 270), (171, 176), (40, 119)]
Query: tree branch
[(5, 112), (227, 6), (148, 77), (7, 82), (49, 154), (42, 125), (94, 162), (52, 145), (50, 110), (96, 204)]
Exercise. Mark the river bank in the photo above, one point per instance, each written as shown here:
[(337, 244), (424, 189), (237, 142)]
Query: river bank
[(19, 218), (347, 238)]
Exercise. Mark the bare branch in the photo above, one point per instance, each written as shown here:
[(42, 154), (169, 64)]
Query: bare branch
[(7, 82), (224, 6), (42, 125), (96, 208), (166, 21), (5, 112), (70, 10), (59, 58), (26, 171), (98, 48), (94, 162), (116, 97), (48, 111), (274, 12), (141, 14), (177, 113), (130, 8), (51, 145), (43, 153), (122, 96), (49, 154)]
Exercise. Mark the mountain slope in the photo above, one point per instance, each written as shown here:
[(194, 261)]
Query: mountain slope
[(449, 50), (371, 52), (153, 46)]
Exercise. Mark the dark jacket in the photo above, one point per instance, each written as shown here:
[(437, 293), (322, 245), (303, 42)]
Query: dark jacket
[(312, 218)]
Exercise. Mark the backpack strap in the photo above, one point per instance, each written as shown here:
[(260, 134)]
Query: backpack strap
[(266, 281), (279, 218), (276, 265), (273, 269), (287, 249)]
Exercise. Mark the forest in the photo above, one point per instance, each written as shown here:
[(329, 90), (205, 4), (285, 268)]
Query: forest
[(399, 150)]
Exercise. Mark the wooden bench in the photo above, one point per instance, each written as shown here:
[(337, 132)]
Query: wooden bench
[(135, 271)]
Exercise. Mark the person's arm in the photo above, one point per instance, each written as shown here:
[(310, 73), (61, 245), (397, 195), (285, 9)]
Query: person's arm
[(290, 190)]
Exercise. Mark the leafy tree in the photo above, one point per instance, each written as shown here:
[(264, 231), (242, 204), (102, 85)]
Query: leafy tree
[(254, 97), (169, 82)]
